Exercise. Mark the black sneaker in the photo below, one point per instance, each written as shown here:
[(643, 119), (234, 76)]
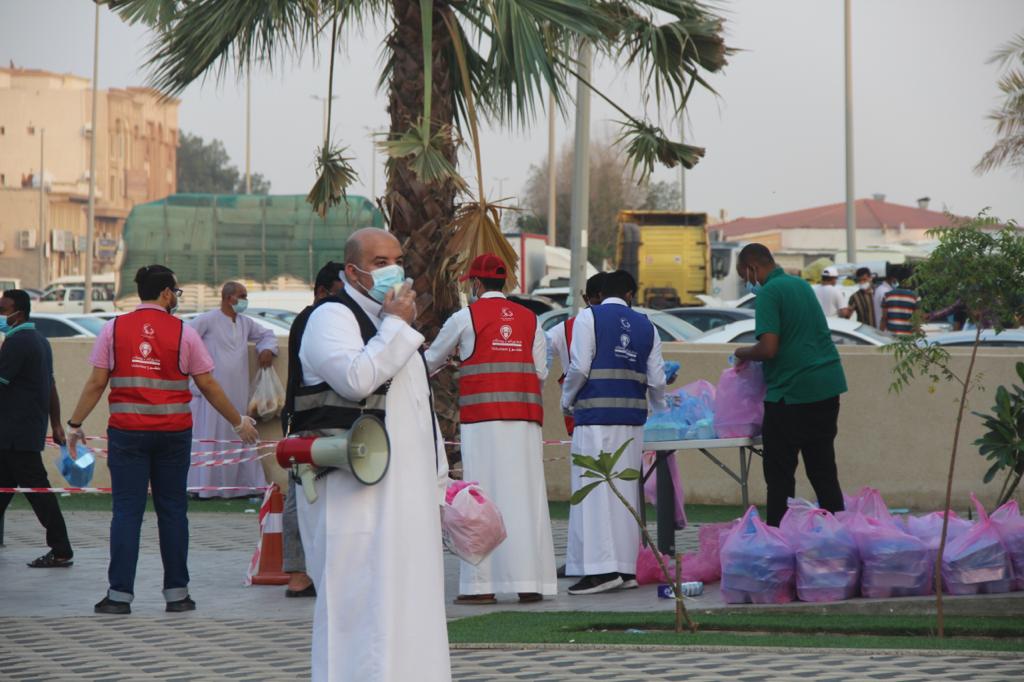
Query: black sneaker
[(628, 581), (592, 584), (109, 606), (181, 605), (560, 573)]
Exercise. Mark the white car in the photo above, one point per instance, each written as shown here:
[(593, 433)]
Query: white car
[(670, 328), (72, 299), (56, 326), (844, 333)]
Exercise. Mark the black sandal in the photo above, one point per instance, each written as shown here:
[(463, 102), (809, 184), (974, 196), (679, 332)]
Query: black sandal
[(50, 560)]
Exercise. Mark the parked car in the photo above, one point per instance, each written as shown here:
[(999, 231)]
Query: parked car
[(72, 300), (279, 328), (278, 316), (536, 303), (1008, 338), (57, 326), (669, 328), (706, 319), (844, 333)]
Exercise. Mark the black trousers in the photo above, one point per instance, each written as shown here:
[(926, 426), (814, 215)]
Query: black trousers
[(810, 429), (25, 470)]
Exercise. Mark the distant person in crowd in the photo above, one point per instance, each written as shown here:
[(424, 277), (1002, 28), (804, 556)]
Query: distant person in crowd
[(831, 299), (28, 402), (503, 354), (328, 283), (887, 285), (898, 307), (615, 367), (862, 302), (804, 377), (147, 356), (560, 336), (226, 332)]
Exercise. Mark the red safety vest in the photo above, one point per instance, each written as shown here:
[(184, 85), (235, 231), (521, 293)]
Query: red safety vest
[(570, 423), (148, 390), (498, 382)]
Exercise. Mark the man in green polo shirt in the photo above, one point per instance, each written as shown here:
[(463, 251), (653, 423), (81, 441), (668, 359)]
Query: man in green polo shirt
[(804, 378)]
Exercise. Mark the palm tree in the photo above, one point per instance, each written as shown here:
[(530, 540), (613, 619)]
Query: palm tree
[(441, 58), (1009, 118)]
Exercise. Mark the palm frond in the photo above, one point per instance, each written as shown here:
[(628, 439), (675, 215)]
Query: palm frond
[(425, 155), (476, 230), (647, 145), (334, 176), (152, 13), (1011, 51)]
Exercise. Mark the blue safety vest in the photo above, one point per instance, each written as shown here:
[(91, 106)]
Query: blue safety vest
[(616, 389)]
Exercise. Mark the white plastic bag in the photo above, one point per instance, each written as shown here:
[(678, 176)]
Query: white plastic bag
[(267, 399), (471, 525)]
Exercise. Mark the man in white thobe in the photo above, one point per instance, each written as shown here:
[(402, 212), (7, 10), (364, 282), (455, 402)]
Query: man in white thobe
[(226, 333), (374, 552), (502, 443), (603, 536)]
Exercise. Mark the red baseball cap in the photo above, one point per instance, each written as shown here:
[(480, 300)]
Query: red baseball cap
[(486, 266)]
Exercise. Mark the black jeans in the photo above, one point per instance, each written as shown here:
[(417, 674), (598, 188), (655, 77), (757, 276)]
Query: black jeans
[(25, 470), (809, 428)]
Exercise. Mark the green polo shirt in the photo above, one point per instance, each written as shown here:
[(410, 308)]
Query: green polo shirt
[(806, 368)]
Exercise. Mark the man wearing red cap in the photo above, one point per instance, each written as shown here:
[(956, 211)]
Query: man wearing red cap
[(504, 360)]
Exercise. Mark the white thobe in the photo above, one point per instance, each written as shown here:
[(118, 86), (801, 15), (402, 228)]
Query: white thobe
[(228, 344), (603, 535), (374, 552), (880, 291), (506, 459), (830, 298), (557, 346)]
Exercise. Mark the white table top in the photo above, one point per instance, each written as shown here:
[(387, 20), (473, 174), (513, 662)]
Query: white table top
[(702, 444)]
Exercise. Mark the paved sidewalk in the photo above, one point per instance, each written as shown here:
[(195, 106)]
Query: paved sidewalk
[(254, 633)]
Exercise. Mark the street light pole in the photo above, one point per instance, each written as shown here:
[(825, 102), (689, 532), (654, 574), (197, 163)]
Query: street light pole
[(248, 130), (581, 182), (851, 215), (552, 198), (41, 244), (90, 227)]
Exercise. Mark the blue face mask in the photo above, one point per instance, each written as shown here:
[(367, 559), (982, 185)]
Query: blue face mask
[(752, 287), (384, 279), (4, 325), (241, 306)]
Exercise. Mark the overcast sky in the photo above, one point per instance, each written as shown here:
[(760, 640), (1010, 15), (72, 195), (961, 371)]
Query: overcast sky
[(774, 135)]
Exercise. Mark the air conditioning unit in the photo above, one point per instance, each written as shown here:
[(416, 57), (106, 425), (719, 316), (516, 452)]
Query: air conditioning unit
[(26, 239)]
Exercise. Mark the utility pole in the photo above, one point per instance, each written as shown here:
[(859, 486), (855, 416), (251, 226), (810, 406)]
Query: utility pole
[(248, 129), (41, 242), (851, 215), (90, 227), (552, 198), (581, 182)]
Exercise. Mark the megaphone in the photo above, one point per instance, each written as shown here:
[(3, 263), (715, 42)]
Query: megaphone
[(364, 451)]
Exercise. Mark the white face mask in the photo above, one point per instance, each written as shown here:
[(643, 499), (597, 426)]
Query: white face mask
[(864, 286)]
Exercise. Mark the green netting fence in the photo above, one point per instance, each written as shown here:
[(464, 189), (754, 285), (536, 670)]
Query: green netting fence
[(211, 238)]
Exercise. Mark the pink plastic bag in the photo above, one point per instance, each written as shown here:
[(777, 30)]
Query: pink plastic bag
[(471, 525), (1010, 525), (867, 502), (739, 401), (893, 562), (651, 486), (928, 528), (706, 564), (977, 562), (757, 564), (827, 559), (648, 571)]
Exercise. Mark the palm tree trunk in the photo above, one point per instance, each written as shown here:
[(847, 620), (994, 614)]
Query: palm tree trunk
[(420, 213)]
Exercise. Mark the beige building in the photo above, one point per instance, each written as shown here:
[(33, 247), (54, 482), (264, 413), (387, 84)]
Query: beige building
[(50, 114)]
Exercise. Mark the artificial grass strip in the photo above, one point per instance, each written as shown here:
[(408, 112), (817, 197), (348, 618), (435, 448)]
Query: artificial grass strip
[(100, 502), (695, 513), (776, 630)]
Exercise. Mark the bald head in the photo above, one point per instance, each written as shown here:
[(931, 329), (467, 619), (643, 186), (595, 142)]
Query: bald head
[(366, 250), (232, 289)]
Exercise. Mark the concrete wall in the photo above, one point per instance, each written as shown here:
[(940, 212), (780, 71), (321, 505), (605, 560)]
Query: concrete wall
[(899, 444)]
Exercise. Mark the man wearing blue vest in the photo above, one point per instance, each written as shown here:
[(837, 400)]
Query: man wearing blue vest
[(615, 363)]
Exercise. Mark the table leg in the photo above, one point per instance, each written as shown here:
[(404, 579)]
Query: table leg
[(743, 479), (666, 507)]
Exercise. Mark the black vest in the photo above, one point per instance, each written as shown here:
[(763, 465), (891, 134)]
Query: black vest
[(309, 408)]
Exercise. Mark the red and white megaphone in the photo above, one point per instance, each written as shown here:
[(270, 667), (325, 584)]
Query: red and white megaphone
[(364, 451)]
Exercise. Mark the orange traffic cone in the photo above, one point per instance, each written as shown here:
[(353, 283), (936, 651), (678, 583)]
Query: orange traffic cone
[(269, 555)]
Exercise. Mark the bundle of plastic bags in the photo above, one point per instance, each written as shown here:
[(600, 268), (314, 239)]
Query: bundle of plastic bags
[(827, 559), (977, 562), (868, 501), (268, 396), (893, 562), (1010, 525), (471, 524), (690, 415), (757, 564), (928, 529), (739, 401), (77, 472), (648, 570), (706, 564)]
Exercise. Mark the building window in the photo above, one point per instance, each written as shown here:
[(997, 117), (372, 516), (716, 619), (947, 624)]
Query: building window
[(31, 130)]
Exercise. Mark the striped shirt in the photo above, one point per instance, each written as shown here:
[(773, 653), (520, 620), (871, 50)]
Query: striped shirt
[(898, 308)]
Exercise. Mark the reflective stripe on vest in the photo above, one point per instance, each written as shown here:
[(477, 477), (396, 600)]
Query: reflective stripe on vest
[(148, 390), (623, 374), (626, 403), (498, 381)]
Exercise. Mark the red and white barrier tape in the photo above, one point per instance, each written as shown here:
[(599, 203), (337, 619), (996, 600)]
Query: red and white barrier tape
[(191, 489)]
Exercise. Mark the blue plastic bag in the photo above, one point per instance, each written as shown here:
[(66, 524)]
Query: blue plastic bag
[(690, 415), (758, 565), (77, 472)]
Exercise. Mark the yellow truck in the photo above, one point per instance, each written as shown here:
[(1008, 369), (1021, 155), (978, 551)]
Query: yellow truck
[(668, 253)]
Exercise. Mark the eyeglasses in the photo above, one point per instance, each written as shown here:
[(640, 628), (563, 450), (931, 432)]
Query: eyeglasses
[(177, 292)]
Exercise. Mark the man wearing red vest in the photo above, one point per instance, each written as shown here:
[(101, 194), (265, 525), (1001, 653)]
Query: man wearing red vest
[(147, 356), (504, 361)]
